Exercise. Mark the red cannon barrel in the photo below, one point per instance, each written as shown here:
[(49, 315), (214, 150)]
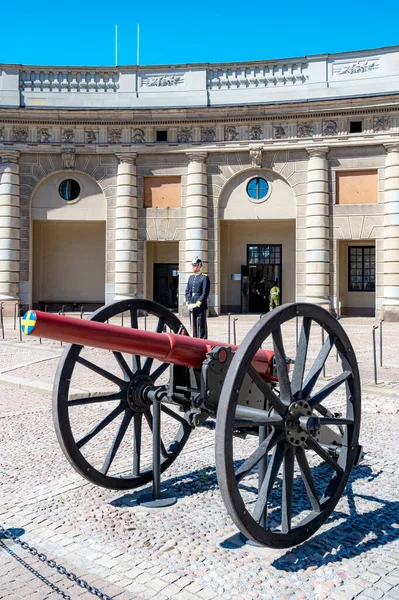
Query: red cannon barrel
[(166, 347)]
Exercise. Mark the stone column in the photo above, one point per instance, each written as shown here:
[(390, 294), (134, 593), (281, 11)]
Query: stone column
[(317, 228), (9, 226), (126, 228), (197, 209), (390, 306)]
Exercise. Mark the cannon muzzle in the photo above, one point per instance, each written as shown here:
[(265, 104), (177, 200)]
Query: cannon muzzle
[(178, 349)]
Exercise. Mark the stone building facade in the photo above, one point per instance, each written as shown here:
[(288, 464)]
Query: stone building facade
[(287, 172)]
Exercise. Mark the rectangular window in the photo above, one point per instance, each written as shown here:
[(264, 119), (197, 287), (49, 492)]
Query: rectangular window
[(162, 192), (357, 187), (162, 135), (361, 261), (264, 254), (355, 127)]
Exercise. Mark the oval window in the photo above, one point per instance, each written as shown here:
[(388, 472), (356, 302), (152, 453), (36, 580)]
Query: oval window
[(69, 190), (257, 188)]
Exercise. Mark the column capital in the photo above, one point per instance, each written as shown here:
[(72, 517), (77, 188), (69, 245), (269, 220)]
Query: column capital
[(391, 147), (319, 151), (196, 156), (9, 156), (126, 158)]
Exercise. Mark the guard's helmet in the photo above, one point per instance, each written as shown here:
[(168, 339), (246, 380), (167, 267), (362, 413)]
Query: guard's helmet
[(196, 261)]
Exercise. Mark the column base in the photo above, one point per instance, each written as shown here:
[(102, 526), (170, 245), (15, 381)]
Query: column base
[(389, 313), (324, 303)]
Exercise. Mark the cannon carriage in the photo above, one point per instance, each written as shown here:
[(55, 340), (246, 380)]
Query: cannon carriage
[(285, 440)]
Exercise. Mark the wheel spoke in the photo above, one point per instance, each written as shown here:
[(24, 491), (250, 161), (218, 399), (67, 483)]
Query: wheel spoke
[(137, 426), (134, 323), (288, 482), (123, 364), (308, 479), (95, 399), (300, 359), (172, 414), (100, 371), (266, 390), (148, 361), (148, 417), (329, 388), (100, 426), (263, 448), (127, 417), (268, 482), (281, 365), (313, 445), (159, 370), (317, 366)]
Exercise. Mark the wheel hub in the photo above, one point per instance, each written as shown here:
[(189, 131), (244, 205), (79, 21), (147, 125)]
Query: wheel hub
[(136, 400), (300, 423)]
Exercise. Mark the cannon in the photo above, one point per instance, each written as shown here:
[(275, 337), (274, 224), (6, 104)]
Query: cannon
[(286, 439)]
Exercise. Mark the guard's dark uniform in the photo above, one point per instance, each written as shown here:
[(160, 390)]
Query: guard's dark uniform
[(197, 292)]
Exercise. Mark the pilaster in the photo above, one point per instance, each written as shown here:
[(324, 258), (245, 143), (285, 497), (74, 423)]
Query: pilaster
[(390, 306), (9, 225)]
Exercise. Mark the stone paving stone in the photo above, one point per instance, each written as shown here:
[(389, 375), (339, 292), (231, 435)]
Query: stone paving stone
[(157, 584)]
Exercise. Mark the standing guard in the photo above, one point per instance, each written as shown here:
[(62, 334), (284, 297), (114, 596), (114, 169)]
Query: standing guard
[(274, 296), (197, 292)]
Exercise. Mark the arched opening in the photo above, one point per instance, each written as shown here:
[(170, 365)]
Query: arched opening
[(68, 242), (257, 213)]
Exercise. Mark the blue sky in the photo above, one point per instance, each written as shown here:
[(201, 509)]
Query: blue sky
[(176, 32)]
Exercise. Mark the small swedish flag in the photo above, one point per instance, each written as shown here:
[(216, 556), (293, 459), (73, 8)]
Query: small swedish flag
[(28, 322)]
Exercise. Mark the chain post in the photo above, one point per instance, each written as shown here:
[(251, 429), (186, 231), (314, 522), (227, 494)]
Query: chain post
[(1, 319), (381, 320), (375, 354), (235, 331)]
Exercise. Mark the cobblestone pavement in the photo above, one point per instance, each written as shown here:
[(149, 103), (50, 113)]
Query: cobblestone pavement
[(190, 550)]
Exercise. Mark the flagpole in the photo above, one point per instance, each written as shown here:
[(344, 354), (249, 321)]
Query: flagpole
[(116, 45), (138, 44)]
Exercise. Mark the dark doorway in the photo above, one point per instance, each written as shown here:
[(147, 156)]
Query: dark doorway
[(166, 285), (263, 271)]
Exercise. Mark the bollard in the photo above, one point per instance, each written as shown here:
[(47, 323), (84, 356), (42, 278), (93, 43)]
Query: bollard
[(1, 319), (297, 332), (81, 312), (16, 306), (322, 343), (234, 332), (63, 310), (145, 321), (61, 313), (229, 329), (381, 320), (122, 318), (375, 354), (20, 328)]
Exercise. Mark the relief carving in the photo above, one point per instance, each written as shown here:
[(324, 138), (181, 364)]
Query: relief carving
[(381, 124), (68, 135), (360, 66), (256, 156), (43, 135), (68, 157), (305, 130), (255, 132), (20, 134), (1, 134), (91, 136), (330, 128), (138, 136), (185, 135), (208, 134), (163, 81), (230, 133), (279, 131), (114, 136)]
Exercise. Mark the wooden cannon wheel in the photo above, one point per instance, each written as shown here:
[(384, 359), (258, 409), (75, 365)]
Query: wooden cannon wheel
[(107, 436), (284, 486)]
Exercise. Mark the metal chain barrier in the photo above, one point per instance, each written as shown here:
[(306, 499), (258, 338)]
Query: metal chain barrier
[(50, 563)]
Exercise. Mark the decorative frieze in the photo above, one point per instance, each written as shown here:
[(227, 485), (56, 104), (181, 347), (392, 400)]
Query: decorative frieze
[(1, 134), (20, 134), (163, 81), (358, 66), (230, 134), (304, 130), (185, 135), (330, 128), (255, 132), (114, 136), (46, 80), (208, 134), (43, 135), (279, 131), (91, 136), (382, 124), (68, 136), (138, 136), (257, 76)]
